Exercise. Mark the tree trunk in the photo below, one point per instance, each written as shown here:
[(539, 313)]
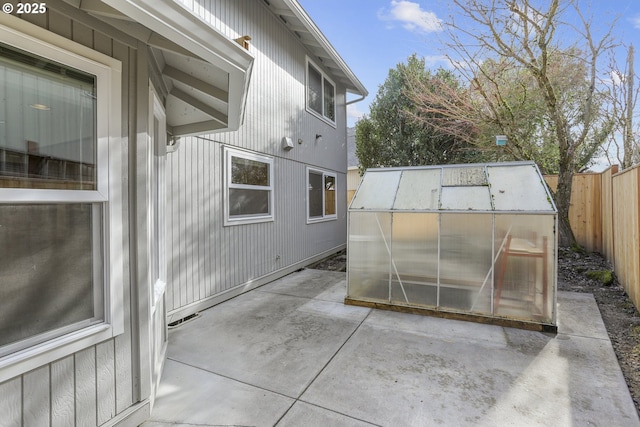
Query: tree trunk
[(628, 134), (563, 202)]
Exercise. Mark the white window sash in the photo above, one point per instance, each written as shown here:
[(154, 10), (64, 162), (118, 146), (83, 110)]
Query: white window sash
[(229, 219), (323, 77), (324, 216)]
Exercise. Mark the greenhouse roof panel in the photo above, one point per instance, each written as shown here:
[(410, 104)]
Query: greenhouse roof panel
[(509, 187), (519, 188), (377, 190), (418, 189), (476, 198), (464, 175)]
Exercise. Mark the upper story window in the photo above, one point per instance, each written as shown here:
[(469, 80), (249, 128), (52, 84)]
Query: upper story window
[(60, 201), (321, 94), (248, 187)]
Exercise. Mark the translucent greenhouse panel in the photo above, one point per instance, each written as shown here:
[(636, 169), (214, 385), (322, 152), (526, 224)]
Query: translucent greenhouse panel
[(414, 274), (369, 257), (377, 190), (518, 188), (419, 189), (465, 262), (463, 176), (524, 280), (475, 198)]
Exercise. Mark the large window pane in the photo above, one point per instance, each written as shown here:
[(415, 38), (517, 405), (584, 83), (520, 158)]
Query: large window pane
[(329, 101), (248, 202), (249, 172), (329, 195), (48, 131), (314, 90), (315, 194), (49, 277)]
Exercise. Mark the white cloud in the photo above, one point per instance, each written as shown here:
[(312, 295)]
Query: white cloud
[(617, 77), (434, 60), (636, 21), (412, 17), (353, 113)]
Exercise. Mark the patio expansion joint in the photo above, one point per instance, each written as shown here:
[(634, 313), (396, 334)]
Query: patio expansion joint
[(230, 378), (296, 296), (606, 339), (298, 399)]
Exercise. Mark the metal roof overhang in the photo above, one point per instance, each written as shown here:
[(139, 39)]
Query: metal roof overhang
[(206, 74)]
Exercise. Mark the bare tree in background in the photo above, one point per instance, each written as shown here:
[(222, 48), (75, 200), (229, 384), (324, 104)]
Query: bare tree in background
[(530, 44), (622, 146)]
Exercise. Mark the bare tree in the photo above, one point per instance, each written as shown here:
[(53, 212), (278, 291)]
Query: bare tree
[(623, 93), (529, 44)]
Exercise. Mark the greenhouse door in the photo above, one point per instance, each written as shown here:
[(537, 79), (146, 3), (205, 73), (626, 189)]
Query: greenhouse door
[(157, 239)]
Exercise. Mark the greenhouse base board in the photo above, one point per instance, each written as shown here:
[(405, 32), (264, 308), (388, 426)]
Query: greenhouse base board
[(498, 321)]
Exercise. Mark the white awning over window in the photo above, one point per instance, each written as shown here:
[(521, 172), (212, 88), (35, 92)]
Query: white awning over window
[(206, 74)]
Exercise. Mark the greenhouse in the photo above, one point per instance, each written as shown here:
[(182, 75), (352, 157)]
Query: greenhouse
[(474, 241)]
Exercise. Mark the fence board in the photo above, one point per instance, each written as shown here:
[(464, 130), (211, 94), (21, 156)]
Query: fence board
[(606, 208), (626, 220), (585, 213)]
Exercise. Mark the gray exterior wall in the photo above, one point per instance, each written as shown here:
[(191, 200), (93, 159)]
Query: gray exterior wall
[(209, 262)]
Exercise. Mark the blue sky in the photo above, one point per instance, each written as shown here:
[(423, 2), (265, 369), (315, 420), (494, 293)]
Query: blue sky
[(373, 36)]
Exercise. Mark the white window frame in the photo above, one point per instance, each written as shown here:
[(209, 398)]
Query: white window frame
[(40, 42), (246, 219), (324, 217), (322, 116)]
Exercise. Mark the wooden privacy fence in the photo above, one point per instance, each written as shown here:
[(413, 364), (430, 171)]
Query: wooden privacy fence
[(626, 226), (605, 218)]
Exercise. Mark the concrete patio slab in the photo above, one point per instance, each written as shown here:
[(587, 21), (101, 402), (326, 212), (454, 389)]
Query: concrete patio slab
[(196, 397), (293, 352), (275, 341), (304, 414)]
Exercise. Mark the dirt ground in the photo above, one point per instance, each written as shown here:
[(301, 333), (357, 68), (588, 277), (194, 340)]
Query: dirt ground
[(576, 271)]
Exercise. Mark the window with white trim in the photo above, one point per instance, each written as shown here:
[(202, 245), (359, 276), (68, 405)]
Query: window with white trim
[(321, 94), (321, 195), (58, 206), (248, 187)]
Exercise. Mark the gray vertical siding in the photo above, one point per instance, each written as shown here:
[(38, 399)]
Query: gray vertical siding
[(96, 384), (207, 259)]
